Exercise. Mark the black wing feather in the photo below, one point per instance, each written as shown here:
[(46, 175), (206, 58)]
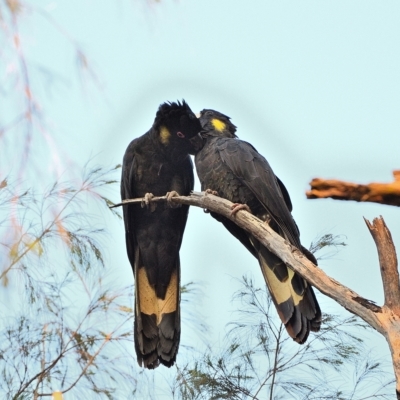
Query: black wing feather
[(255, 172), (153, 240), (126, 194)]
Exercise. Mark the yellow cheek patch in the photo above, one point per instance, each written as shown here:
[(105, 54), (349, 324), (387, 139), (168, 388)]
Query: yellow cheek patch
[(149, 303), (218, 125), (164, 135)]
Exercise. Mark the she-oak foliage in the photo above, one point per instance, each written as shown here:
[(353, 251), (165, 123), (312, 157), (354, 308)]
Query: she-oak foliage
[(259, 361), (52, 338)]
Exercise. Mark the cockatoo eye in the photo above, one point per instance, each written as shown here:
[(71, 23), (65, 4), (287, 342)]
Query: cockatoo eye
[(180, 135)]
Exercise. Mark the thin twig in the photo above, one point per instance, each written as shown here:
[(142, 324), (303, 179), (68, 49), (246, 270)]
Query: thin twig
[(155, 199)]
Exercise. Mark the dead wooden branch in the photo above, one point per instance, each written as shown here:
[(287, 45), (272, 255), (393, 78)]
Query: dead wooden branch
[(390, 278), (384, 193), (388, 263), (385, 319), (288, 253), (141, 201)]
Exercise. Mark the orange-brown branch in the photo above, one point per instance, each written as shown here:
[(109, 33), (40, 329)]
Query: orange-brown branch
[(384, 193)]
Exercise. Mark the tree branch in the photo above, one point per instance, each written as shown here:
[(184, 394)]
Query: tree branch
[(387, 261), (386, 319), (140, 201), (346, 297), (383, 193)]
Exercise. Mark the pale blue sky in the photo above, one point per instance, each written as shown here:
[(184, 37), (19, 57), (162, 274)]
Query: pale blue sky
[(313, 85)]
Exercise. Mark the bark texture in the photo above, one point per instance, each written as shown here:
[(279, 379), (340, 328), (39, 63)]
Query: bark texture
[(383, 193)]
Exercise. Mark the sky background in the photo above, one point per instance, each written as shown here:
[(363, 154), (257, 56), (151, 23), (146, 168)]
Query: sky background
[(314, 86)]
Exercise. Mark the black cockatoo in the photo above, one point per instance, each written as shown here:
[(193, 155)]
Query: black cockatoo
[(237, 172), (154, 164)]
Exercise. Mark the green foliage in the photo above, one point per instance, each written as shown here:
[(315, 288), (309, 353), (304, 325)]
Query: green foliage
[(327, 241), (258, 360), (58, 218), (69, 329)]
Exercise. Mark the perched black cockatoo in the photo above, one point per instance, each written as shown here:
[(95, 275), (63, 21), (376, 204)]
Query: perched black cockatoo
[(237, 172), (154, 164)]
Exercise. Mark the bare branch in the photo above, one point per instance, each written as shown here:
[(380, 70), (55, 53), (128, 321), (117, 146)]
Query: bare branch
[(289, 254), (387, 261), (155, 199), (383, 193), (382, 319)]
